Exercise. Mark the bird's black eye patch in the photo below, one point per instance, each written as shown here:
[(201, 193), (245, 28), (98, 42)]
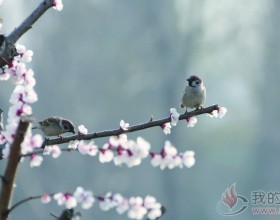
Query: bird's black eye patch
[(196, 82), (66, 127)]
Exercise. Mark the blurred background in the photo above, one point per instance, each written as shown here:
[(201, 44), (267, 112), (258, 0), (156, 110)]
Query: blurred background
[(97, 62)]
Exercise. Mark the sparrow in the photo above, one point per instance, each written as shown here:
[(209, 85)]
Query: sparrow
[(194, 94), (55, 126)]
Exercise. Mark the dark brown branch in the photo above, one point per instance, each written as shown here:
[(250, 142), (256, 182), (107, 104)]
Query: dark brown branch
[(115, 132), (10, 172)]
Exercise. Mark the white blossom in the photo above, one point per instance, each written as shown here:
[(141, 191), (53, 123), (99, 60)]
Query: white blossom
[(105, 155), (191, 121), (84, 197), (124, 126), (174, 115), (222, 111), (188, 159), (166, 128), (137, 210), (73, 144), (82, 129), (36, 160)]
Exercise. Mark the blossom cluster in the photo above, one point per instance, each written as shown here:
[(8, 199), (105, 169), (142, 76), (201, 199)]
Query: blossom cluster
[(136, 207), (21, 99), (121, 150), (170, 158), (218, 113), (174, 118), (191, 121)]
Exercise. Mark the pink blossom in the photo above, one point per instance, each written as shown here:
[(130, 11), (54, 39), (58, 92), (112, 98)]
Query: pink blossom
[(57, 5), (36, 160), (166, 128), (45, 198), (54, 150), (65, 199), (191, 121)]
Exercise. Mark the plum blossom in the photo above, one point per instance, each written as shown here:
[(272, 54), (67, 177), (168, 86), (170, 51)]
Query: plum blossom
[(136, 207), (191, 121), (22, 96), (188, 159), (65, 199), (137, 210), (107, 202), (124, 126), (36, 160), (222, 111), (153, 207), (105, 155), (84, 197), (45, 198), (82, 130), (174, 116), (73, 145), (129, 152), (122, 203), (88, 148), (4, 75), (30, 143), (25, 55), (170, 158), (218, 113), (166, 128), (57, 5), (54, 150)]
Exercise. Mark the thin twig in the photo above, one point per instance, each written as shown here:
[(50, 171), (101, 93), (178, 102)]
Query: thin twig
[(21, 202)]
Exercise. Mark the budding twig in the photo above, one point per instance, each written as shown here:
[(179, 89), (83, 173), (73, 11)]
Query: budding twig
[(116, 132)]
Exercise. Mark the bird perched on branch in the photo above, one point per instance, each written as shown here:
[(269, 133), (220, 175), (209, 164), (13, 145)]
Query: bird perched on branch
[(55, 126), (195, 93)]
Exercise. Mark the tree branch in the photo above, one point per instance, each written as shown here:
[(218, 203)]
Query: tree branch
[(115, 132), (8, 50), (10, 172), (21, 202), (29, 21)]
